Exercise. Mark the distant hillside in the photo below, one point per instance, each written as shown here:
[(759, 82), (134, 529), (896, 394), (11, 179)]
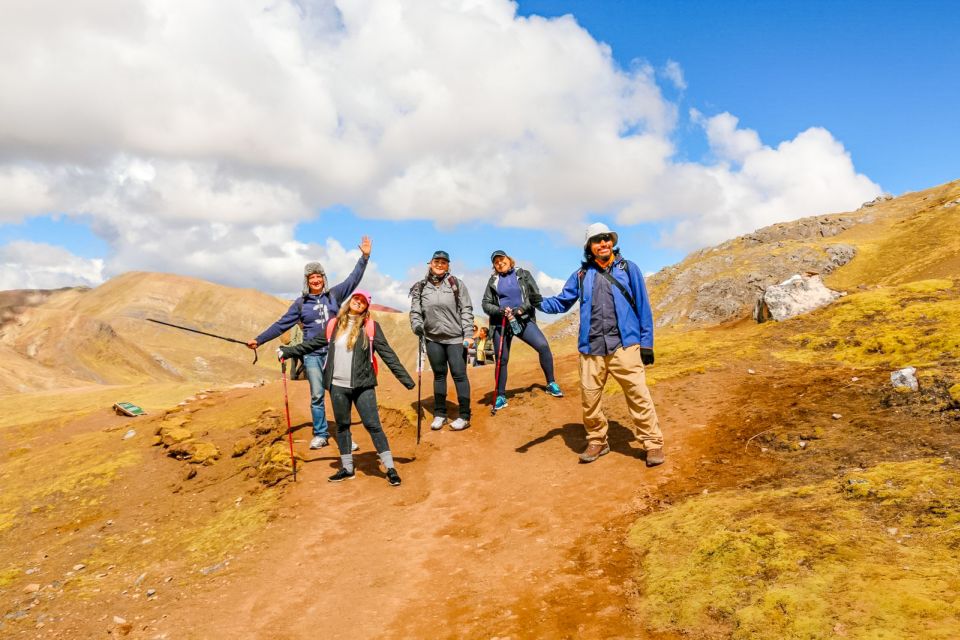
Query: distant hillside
[(884, 242), (380, 307), (76, 337), (83, 336)]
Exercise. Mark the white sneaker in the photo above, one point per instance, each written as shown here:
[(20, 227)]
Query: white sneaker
[(459, 424), (318, 442), (438, 423), (354, 446)]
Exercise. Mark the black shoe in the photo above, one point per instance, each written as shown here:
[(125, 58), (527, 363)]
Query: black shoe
[(393, 477), (342, 475)]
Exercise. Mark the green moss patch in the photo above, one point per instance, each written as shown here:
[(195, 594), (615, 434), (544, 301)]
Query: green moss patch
[(871, 555), (915, 323)]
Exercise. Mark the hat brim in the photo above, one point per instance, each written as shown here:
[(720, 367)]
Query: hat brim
[(616, 238)]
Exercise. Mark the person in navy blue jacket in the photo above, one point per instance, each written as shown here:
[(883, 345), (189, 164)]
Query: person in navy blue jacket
[(509, 299), (615, 339), (312, 309)]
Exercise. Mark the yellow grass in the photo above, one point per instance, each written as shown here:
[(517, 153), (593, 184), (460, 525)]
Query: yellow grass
[(914, 323), (871, 555)]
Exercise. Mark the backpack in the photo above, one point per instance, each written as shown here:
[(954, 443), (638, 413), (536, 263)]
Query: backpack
[(454, 286), (368, 328)]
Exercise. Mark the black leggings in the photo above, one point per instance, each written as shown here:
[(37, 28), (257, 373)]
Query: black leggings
[(365, 400), (441, 356), (532, 335)]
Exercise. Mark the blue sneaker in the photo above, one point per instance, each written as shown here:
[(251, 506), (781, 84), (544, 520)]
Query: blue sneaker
[(500, 403), (554, 389)]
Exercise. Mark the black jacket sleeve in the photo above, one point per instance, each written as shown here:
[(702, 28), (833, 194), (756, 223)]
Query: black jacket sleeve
[(302, 349), (533, 293), (389, 357), (491, 300)]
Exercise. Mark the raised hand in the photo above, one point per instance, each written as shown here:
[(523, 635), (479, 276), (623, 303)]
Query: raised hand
[(365, 245)]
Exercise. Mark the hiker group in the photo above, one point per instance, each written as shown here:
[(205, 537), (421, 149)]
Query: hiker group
[(341, 341)]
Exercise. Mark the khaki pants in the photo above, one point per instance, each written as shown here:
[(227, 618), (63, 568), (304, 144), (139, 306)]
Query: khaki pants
[(627, 369)]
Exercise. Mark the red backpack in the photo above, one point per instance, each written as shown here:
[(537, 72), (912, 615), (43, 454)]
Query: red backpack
[(368, 329)]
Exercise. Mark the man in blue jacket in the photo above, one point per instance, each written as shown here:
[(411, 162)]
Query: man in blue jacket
[(615, 339)]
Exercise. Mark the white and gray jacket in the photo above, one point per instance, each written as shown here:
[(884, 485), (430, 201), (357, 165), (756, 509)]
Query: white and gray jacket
[(446, 316)]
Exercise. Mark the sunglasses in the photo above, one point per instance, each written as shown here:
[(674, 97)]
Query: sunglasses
[(603, 237)]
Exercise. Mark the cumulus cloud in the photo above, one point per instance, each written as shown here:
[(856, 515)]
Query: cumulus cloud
[(194, 136), (25, 191), (673, 72), (752, 185), (33, 265)]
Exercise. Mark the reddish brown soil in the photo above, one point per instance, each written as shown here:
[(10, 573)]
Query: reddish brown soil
[(497, 531)]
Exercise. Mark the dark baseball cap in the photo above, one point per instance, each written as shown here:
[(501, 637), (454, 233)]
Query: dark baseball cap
[(442, 255), (497, 254)]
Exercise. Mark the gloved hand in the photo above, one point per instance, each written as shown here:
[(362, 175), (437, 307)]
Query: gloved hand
[(418, 330), (646, 356), (280, 355), (285, 353), (411, 385)]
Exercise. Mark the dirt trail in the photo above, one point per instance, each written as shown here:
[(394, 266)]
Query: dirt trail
[(496, 531)]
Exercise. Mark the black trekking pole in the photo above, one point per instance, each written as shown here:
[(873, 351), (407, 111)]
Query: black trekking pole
[(204, 333), (419, 389), (496, 378)]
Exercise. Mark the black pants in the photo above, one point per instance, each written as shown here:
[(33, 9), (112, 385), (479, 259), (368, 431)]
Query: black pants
[(532, 335), (442, 357), (365, 400)]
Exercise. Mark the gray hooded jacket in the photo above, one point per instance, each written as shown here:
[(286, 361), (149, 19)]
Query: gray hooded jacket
[(434, 307)]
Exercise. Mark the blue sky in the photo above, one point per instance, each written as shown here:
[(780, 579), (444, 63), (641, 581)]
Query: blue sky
[(880, 75), (427, 125)]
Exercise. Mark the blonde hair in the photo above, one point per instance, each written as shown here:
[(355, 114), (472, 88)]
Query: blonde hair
[(513, 263), (343, 321)]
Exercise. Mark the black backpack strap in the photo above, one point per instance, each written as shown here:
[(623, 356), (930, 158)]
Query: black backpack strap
[(626, 294), (454, 285), (609, 277)]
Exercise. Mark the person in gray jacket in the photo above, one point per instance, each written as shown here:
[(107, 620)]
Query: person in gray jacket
[(441, 312)]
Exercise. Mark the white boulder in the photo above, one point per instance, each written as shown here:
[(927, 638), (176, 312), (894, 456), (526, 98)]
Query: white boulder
[(905, 378), (792, 297)]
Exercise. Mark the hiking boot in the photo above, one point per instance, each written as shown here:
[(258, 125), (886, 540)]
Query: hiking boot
[(554, 389), (654, 457), (459, 424), (393, 477), (354, 446), (342, 475), (438, 423), (593, 451), (318, 442), (500, 403)]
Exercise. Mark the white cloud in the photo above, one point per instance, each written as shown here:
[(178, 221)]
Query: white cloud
[(728, 142), (673, 72), (24, 191), (33, 265), (752, 185), (194, 136), (549, 286)]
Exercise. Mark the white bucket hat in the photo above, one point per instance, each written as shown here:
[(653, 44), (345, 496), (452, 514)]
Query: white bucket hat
[(598, 229)]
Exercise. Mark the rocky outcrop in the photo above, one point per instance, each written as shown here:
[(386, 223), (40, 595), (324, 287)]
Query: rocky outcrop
[(883, 197), (195, 452), (797, 295), (712, 290)]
